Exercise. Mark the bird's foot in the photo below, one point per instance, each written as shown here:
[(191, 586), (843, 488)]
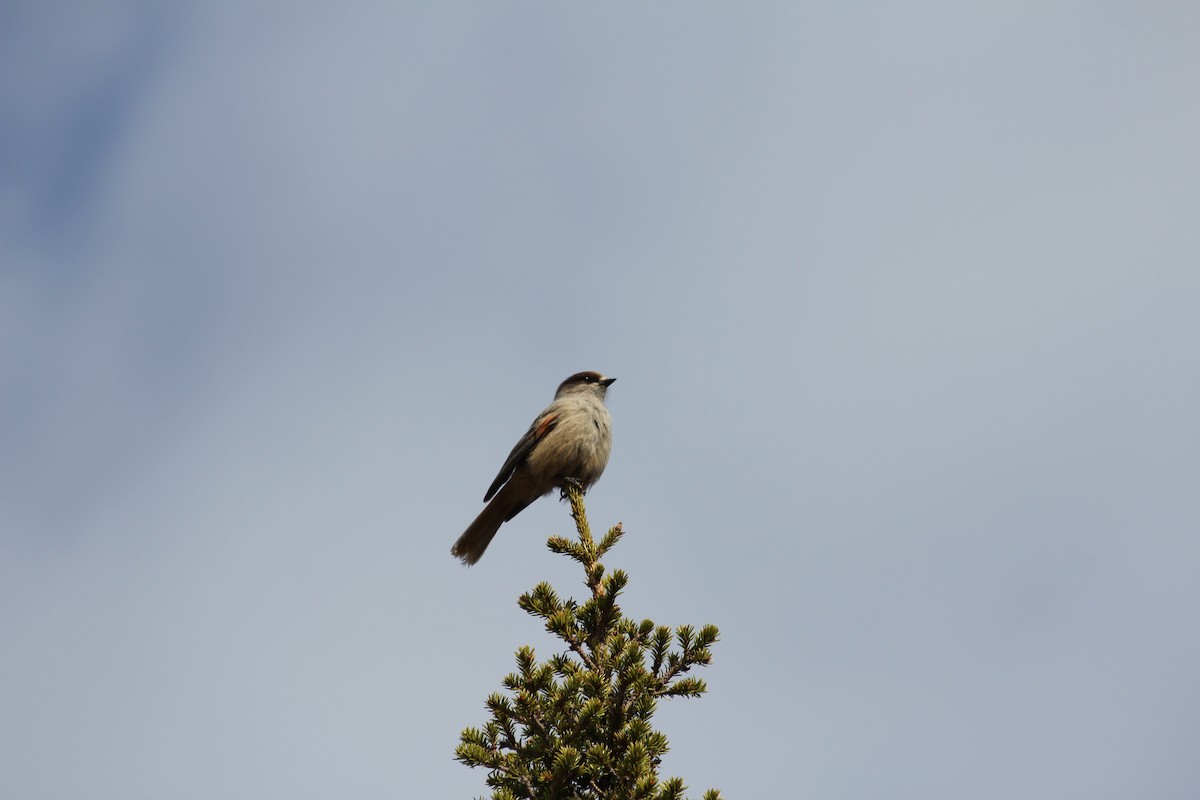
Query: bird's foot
[(578, 484)]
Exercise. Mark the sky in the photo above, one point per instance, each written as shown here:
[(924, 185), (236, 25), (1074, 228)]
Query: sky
[(902, 304)]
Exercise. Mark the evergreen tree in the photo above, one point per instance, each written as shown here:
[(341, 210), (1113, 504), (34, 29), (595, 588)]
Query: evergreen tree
[(577, 727)]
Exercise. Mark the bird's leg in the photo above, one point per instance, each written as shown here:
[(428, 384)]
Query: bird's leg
[(562, 490)]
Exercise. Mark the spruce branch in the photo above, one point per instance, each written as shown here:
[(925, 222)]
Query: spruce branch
[(578, 724)]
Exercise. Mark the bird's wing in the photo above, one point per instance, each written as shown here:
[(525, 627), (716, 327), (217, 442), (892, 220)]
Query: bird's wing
[(537, 431)]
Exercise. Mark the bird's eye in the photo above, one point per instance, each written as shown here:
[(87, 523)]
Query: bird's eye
[(588, 379)]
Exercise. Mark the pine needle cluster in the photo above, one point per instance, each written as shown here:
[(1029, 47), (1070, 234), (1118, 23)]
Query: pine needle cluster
[(577, 726)]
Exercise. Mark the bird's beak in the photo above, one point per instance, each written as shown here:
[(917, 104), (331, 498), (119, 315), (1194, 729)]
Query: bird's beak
[(606, 381)]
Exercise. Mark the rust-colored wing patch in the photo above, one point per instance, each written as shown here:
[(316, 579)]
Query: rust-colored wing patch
[(537, 431)]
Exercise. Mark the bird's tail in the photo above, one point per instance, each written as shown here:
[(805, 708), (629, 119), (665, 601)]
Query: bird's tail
[(475, 539)]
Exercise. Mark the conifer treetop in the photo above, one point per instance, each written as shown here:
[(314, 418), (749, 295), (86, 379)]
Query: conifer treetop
[(578, 724)]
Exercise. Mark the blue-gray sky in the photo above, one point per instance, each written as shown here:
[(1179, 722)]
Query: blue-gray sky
[(903, 304)]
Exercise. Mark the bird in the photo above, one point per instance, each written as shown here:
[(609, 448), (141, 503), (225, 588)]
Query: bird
[(568, 442)]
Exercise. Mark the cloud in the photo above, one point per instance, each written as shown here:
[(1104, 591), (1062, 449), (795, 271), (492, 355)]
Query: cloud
[(901, 308)]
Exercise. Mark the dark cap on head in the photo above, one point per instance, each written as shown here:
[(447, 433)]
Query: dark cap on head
[(584, 378)]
